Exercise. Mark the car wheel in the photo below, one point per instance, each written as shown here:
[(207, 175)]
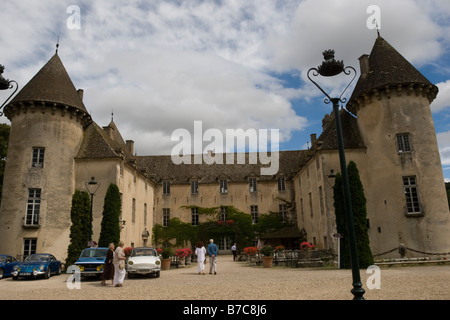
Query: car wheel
[(157, 274), (47, 273), (1, 273)]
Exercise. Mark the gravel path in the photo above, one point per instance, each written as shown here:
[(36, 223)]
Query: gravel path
[(239, 281)]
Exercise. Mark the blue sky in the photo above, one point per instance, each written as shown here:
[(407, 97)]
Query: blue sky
[(161, 65)]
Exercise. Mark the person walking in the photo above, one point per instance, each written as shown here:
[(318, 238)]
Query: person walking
[(200, 251), (119, 265), (212, 251), (108, 270), (234, 251)]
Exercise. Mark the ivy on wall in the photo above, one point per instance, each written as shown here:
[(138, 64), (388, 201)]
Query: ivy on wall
[(237, 226)]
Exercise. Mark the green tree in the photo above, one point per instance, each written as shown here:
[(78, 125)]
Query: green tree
[(110, 228), (359, 215), (341, 221), (79, 230)]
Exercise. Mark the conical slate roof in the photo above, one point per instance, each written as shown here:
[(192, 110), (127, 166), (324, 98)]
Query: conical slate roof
[(387, 67), (51, 84), (350, 132)]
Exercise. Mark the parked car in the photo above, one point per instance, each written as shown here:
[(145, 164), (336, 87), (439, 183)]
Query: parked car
[(7, 264), (92, 261), (143, 260), (35, 265)]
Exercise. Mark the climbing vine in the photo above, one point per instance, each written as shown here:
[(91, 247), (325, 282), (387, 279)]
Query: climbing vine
[(236, 226)]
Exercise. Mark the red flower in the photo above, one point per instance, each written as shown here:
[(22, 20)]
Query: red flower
[(306, 246), (181, 253), (251, 251), (128, 251)]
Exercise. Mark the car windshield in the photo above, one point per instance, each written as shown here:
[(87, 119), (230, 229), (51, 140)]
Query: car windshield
[(37, 258), (2, 259), (143, 252), (94, 253)]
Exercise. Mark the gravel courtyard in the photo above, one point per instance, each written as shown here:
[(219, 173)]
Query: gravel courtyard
[(239, 281)]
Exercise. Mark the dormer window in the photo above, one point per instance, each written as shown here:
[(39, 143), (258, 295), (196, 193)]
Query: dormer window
[(194, 186), (223, 184), (166, 187), (38, 157), (282, 184), (252, 184)]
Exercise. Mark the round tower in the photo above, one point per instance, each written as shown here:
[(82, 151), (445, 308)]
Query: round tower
[(47, 118), (403, 180)]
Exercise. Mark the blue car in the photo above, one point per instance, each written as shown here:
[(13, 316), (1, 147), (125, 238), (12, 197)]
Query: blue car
[(7, 264), (36, 265), (92, 261)]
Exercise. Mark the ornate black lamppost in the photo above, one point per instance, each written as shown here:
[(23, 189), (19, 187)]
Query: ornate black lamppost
[(92, 187), (329, 68), (6, 84)]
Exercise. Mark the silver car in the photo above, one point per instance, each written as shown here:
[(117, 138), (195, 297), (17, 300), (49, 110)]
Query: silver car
[(143, 260)]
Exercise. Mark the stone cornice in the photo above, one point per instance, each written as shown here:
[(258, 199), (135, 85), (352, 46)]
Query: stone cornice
[(16, 108), (389, 91)]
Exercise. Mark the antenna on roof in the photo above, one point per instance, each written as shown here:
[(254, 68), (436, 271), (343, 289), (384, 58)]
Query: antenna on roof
[(112, 115)]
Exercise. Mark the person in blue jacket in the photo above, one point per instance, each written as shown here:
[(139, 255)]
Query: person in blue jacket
[(212, 251)]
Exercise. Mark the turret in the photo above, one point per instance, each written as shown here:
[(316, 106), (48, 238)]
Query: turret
[(48, 118), (392, 103)]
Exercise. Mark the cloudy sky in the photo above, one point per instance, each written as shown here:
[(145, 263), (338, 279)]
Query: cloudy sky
[(161, 65)]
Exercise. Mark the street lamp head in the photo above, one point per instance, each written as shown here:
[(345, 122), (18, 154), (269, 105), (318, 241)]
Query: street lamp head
[(92, 186), (330, 67)]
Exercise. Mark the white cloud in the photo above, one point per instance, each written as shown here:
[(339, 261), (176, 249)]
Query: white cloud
[(443, 139), (160, 65), (341, 25), (442, 100)]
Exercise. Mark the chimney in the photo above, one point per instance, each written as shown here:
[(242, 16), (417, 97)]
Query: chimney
[(313, 139), (80, 93), (109, 131), (130, 146), (364, 66)]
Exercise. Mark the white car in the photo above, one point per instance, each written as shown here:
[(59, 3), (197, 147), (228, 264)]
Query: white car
[(143, 260)]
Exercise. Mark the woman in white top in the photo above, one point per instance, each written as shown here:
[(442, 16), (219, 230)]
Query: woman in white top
[(118, 260), (200, 251)]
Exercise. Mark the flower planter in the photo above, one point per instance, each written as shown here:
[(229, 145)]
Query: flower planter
[(165, 264), (309, 258), (267, 262)]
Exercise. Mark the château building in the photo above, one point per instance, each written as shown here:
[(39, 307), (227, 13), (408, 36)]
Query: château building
[(55, 147)]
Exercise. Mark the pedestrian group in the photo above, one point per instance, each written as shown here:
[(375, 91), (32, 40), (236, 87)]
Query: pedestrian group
[(114, 269)]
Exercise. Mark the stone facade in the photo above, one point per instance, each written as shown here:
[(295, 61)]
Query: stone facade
[(55, 148)]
